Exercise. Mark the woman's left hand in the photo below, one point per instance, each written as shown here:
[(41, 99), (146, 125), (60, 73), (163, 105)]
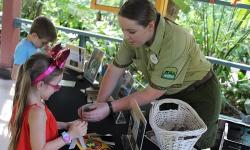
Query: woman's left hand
[(96, 112)]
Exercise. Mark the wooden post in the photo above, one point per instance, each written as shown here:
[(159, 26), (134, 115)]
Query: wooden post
[(10, 34)]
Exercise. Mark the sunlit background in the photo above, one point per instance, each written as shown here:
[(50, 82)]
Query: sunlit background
[(6, 94)]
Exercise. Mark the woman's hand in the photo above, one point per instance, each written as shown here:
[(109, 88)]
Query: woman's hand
[(94, 112), (77, 128)]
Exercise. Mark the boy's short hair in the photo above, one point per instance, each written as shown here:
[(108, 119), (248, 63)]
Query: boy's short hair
[(44, 28)]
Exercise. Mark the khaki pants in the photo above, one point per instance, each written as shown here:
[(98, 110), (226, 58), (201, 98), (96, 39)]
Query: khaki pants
[(206, 100)]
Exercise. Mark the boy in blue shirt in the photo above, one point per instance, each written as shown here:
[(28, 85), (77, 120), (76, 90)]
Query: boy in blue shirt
[(42, 32)]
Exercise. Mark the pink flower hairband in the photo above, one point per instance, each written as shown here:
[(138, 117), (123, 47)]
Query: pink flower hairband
[(59, 56)]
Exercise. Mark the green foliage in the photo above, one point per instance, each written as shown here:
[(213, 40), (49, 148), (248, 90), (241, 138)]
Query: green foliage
[(237, 93), (222, 32), (114, 3), (139, 83), (183, 5), (76, 15), (1, 5), (110, 48), (219, 30), (31, 8)]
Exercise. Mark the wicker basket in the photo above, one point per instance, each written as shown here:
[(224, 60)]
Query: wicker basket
[(176, 124)]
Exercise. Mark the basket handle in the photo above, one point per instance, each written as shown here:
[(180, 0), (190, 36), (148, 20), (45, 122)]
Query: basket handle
[(168, 106), (187, 137)]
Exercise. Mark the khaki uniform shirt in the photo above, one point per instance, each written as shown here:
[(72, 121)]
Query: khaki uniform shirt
[(172, 62)]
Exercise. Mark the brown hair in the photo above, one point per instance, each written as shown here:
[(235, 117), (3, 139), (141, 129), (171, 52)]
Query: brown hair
[(141, 11), (44, 28), (28, 72)]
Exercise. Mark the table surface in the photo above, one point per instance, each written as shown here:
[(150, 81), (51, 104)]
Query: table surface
[(64, 104)]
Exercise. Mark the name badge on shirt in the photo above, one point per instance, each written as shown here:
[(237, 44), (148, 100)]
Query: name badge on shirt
[(153, 59), (169, 73)]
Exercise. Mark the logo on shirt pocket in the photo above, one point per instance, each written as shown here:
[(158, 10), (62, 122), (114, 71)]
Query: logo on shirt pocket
[(169, 73)]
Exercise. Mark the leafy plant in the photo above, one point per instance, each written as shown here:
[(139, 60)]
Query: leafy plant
[(222, 32), (1, 5), (183, 5), (31, 8), (237, 93)]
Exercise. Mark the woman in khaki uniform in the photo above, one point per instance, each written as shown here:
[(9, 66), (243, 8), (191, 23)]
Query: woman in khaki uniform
[(170, 61)]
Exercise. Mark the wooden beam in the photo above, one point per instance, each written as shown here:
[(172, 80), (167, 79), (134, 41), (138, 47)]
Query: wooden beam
[(10, 34), (161, 6), (94, 5), (226, 3)]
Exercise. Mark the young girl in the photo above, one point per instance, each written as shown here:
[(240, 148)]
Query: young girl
[(32, 125)]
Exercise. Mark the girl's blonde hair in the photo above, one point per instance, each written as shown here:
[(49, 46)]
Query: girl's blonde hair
[(28, 72)]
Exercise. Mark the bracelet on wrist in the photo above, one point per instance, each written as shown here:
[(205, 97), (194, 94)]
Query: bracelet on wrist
[(110, 107), (66, 137)]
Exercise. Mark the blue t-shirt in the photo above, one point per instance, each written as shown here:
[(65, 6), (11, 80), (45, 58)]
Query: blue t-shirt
[(23, 51)]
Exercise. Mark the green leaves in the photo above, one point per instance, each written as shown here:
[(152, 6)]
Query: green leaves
[(237, 93), (223, 32), (183, 5)]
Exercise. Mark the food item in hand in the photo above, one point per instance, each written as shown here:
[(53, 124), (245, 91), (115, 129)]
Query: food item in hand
[(89, 107)]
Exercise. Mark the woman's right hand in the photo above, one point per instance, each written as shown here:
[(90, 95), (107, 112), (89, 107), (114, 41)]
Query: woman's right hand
[(77, 128), (94, 112)]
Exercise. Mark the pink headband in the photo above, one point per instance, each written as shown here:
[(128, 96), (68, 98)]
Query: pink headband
[(59, 56)]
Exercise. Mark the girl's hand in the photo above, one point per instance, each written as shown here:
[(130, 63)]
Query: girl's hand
[(72, 122), (77, 128)]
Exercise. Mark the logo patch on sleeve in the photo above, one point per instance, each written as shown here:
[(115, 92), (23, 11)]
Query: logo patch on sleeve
[(169, 73)]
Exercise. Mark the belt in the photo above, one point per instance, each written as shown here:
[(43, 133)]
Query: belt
[(198, 83), (208, 76), (192, 87)]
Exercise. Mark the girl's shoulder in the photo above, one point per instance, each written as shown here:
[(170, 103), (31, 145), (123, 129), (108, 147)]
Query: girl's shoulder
[(36, 106), (37, 111)]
